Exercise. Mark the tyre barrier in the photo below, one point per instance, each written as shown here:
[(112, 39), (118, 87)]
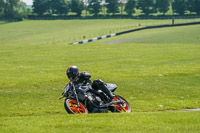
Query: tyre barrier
[(94, 39), (133, 30)]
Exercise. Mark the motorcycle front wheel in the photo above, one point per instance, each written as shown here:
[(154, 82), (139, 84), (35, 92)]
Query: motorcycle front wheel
[(72, 108), (119, 107)]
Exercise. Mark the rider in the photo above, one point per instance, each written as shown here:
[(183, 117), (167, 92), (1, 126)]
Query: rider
[(83, 79)]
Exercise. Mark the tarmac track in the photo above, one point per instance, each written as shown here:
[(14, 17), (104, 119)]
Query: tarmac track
[(125, 40)]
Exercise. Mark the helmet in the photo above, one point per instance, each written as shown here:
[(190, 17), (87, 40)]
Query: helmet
[(72, 73)]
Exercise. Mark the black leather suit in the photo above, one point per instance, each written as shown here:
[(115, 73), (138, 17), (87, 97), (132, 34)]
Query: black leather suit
[(84, 79)]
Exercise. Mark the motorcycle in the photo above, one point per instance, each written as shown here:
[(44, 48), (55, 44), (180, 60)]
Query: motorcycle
[(84, 100)]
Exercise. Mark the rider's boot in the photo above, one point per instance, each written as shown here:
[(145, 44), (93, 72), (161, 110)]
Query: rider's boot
[(108, 93)]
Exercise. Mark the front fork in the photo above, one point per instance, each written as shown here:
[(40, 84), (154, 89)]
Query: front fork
[(76, 96)]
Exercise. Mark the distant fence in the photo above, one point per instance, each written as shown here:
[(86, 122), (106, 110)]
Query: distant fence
[(133, 30), (47, 17)]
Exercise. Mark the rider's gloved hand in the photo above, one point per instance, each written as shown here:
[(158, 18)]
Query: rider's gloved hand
[(64, 94)]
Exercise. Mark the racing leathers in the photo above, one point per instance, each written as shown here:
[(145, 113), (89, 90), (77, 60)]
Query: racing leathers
[(83, 79)]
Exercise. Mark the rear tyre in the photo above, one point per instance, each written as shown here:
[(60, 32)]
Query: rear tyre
[(72, 108), (119, 107)]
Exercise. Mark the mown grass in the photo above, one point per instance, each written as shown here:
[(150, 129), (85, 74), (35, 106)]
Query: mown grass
[(158, 70), (65, 32), (181, 122)]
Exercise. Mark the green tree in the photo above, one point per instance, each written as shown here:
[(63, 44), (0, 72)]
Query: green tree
[(162, 6), (103, 7), (22, 10), (190, 5), (2, 5), (94, 6), (59, 6), (10, 8), (147, 6), (122, 4), (112, 6), (129, 8), (13, 9), (77, 6), (179, 6), (40, 6), (196, 6), (86, 6), (22, 6)]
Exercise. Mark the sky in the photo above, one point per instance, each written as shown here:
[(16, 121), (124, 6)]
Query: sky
[(28, 2)]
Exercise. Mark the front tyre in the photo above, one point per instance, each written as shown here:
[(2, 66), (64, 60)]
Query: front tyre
[(72, 108), (120, 107)]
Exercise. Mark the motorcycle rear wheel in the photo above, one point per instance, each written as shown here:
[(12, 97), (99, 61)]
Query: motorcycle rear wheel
[(120, 109), (72, 108)]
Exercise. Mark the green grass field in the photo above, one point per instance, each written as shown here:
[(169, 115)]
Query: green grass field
[(156, 70)]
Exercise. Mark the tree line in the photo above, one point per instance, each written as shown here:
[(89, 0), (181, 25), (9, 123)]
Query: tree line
[(13, 8), (94, 7)]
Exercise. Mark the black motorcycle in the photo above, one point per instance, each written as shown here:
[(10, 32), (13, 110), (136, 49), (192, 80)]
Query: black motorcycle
[(84, 99)]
